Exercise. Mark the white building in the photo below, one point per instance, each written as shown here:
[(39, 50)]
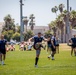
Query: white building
[(37, 29)]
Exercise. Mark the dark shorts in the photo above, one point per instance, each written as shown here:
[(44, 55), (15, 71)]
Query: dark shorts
[(49, 45), (3, 51), (53, 49), (57, 45), (73, 46)]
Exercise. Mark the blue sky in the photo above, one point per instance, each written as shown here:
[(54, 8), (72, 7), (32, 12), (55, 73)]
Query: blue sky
[(40, 8)]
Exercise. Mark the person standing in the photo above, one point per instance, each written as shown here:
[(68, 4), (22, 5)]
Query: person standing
[(3, 44), (57, 44), (37, 42), (53, 46), (49, 44)]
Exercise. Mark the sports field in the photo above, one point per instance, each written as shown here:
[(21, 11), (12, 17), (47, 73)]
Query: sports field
[(22, 63)]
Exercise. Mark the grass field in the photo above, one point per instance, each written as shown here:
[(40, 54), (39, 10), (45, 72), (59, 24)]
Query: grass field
[(22, 63)]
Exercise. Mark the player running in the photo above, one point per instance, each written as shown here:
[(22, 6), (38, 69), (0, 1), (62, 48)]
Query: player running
[(52, 45)]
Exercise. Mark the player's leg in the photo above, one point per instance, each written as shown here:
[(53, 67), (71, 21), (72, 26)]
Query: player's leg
[(49, 51), (72, 50), (0, 57), (58, 48), (75, 51), (42, 46), (53, 52), (37, 57), (4, 56)]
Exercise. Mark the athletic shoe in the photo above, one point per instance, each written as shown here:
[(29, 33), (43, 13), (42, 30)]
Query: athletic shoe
[(53, 58), (36, 66), (2, 62)]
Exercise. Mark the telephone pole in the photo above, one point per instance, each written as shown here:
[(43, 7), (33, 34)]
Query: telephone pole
[(67, 23), (21, 22)]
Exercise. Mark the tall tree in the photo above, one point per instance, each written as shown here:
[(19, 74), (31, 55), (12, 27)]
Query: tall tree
[(32, 23), (61, 6), (73, 18), (28, 34), (25, 21), (52, 25), (54, 10), (9, 23), (9, 27)]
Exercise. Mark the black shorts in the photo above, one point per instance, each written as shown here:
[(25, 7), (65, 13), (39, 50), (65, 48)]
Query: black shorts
[(57, 45), (53, 49), (73, 46), (3, 51)]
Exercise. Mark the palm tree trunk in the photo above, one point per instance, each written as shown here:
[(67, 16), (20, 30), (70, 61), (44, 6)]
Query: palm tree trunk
[(62, 32), (26, 28)]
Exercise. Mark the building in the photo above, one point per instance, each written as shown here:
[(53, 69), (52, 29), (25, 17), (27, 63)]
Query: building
[(37, 29)]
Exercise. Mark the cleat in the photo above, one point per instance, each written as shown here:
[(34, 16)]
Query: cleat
[(53, 58), (2, 63), (36, 66)]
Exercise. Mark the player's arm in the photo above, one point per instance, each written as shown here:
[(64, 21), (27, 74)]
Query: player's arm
[(48, 39), (45, 39), (6, 43), (30, 39)]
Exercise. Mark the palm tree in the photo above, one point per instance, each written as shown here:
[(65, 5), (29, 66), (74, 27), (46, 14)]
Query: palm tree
[(52, 25), (61, 6), (32, 21), (60, 25), (61, 19), (7, 20), (25, 21), (73, 18), (28, 34), (9, 23), (54, 10)]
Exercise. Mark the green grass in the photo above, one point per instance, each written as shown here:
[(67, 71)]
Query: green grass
[(22, 63)]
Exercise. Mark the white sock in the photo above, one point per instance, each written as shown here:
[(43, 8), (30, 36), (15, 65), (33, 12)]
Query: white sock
[(52, 57), (49, 55)]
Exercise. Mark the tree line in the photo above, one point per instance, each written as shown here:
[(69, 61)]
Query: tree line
[(12, 30), (59, 24)]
